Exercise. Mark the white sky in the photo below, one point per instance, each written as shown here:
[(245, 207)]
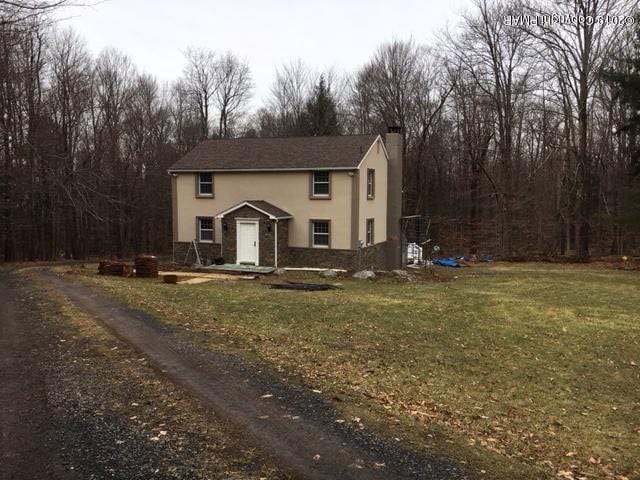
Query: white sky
[(324, 33)]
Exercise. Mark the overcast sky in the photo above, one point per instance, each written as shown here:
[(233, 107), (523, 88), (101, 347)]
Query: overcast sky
[(324, 33)]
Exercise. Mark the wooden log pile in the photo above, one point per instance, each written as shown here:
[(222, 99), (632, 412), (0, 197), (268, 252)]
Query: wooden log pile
[(112, 267), (146, 266), (170, 279)]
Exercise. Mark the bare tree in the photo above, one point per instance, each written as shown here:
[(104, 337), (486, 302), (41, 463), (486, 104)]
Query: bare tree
[(19, 13), (23, 128), (577, 51), (69, 102), (496, 56), (432, 88), (403, 85), (233, 81), (185, 117), (202, 82), (512, 138), (475, 125), (387, 82), (114, 81), (289, 94)]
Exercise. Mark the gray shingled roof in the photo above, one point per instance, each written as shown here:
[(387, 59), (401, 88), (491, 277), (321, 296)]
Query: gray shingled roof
[(260, 205), (276, 153)]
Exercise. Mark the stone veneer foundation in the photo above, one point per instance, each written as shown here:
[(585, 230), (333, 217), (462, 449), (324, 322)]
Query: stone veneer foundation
[(373, 257), (208, 251)]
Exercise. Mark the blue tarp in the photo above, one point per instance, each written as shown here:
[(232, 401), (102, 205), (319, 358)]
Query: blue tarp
[(453, 261), (446, 262)]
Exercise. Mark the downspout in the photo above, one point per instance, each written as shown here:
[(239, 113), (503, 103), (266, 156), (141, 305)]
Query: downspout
[(276, 244)]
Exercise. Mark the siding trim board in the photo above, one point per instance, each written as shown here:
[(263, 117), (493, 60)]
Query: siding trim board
[(355, 209), (174, 206)]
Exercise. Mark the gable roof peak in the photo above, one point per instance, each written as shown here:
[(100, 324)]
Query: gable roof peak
[(268, 209)]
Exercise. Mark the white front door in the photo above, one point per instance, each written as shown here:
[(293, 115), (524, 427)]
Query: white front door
[(247, 242)]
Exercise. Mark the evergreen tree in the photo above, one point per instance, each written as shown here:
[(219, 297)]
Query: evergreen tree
[(320, 116), (625, 76)]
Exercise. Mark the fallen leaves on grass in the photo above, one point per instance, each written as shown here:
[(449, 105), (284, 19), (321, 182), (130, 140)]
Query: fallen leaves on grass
[(499, 346)]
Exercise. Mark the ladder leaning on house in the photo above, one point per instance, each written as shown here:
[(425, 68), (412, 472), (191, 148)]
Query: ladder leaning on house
[(193, 245)]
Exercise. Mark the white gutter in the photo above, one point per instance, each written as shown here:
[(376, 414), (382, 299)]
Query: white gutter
[(221, 238), (276, 242), (274, 169)]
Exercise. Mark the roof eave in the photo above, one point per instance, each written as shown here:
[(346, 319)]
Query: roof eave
[(219, 170), (384, 149), (255, 207)]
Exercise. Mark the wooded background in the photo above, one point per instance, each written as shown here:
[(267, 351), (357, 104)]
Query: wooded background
[(520, 137)]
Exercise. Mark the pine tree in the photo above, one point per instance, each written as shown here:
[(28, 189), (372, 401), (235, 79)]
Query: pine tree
[(320, 116)]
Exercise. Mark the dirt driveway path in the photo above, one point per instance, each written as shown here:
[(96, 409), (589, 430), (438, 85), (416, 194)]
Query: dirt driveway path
[(293, 426), (25, 416), (78, 403)]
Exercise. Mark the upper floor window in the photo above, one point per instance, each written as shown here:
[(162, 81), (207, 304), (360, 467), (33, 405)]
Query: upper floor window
[(371, 183), (320, 184), (205, 184), (205, 229), (370, 231)]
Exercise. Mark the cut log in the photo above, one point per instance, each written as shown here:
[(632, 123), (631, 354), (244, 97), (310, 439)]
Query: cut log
[(146, 266)]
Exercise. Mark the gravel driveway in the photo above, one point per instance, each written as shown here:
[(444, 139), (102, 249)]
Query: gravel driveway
[(291, 426)]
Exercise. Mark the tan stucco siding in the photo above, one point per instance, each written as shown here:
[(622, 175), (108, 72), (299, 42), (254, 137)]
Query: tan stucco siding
[(286, 190), (375, 208)]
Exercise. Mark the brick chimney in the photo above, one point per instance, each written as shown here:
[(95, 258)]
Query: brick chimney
[(394, 144)]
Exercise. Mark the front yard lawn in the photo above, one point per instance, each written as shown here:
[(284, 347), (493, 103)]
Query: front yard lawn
[(518, 370)]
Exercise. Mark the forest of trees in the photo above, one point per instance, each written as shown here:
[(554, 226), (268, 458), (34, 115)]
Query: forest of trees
[(520, 134)]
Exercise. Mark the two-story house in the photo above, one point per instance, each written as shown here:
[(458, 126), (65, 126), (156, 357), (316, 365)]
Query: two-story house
[(300, 201)]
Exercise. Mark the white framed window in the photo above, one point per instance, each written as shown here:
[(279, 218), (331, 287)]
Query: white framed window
[(205, 184), (205, 229), (320, 233), (371, 183), (370, 231), (320, 184)]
